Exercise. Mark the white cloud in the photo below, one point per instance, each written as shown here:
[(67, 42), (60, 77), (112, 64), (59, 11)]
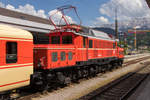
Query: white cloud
[(126, 9), (2, 5), (28, 9), (57, 15), (10, 7), (100, 21)]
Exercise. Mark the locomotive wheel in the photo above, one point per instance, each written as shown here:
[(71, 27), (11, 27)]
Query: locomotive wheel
[(120, 63), (109, 67), (67, 80), (97, 69), (60, 78), (79, 74), (116, 65), (92, 72), (75, 78), (85, 73)]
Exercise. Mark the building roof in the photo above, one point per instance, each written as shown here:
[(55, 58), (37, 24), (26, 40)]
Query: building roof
[(25, 21), (19, 15)]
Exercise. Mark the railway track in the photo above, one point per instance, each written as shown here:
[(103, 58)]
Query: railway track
[(121, 88), (28, 95)]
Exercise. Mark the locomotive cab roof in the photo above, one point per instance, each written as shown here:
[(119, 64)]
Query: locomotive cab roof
[(12, 32)]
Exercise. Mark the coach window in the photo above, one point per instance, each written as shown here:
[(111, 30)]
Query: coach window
[(11, 52), (54, 56), (90, 44), (55, 40), (63, 56), (67, 39)]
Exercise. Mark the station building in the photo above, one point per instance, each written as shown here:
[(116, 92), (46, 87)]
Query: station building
[(31, 23)]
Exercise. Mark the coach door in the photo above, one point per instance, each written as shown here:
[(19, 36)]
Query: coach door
[(1, 53)]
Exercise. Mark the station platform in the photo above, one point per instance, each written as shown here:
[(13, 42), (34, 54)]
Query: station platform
[(142, 92)]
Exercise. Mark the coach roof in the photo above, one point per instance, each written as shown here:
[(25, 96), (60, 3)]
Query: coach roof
[(12, 32)]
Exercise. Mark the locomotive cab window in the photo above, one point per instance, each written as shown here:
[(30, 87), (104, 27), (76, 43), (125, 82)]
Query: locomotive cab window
[(11, 52), (84, 42), (55, 40), (90, 44), (67, 39)]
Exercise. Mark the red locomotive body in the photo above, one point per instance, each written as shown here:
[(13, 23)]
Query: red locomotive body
[(70, 49)]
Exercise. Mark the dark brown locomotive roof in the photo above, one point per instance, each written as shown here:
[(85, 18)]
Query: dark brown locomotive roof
[(15, 14)]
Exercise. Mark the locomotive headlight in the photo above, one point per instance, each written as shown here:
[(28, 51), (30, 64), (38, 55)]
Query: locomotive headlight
[(41, 62)]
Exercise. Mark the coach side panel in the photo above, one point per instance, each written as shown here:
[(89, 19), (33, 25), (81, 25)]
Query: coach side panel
[(16, 64)]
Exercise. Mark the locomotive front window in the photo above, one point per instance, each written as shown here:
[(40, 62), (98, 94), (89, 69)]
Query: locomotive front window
[(11, 52), (55, 40), (70, 55), (63, 56), (54, 56), (67, 39)]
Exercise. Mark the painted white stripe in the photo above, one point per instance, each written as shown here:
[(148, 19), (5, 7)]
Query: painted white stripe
[(55, 48), (16, 65), (77, 48), (15, 39)]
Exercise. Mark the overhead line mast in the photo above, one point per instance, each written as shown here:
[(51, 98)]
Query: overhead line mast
[(116, 23)]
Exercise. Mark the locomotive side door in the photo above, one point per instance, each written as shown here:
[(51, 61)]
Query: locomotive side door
[(85, 48)]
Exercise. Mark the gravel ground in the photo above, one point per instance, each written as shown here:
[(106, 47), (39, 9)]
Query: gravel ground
[(75, 91)]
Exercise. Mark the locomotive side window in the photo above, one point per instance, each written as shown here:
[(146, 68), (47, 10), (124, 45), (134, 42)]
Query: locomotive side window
[(70, 55), (63, 56), (114, 46), (55, 40), (11, 52), (84, 40), (67, 39), (90, 44), (54, 56)]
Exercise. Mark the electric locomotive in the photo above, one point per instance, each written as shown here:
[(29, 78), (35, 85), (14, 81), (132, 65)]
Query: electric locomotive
[(59, 57)]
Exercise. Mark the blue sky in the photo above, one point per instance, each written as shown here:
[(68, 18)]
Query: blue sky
[(88, 9), (91, 12)]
